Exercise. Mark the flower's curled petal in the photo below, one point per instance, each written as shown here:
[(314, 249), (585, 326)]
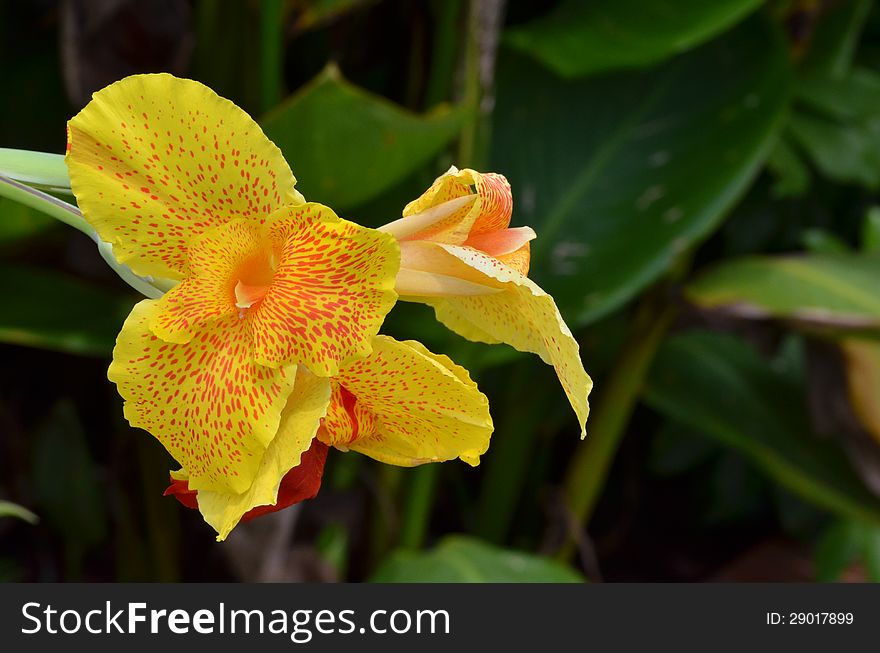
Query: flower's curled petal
[(424, 407), (523, 316), (490, 212), (155, 160), (299, 484), (332, 289), (206, 401), (300, 419)]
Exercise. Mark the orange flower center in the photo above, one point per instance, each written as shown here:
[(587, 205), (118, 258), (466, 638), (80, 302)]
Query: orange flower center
[(254, 277)]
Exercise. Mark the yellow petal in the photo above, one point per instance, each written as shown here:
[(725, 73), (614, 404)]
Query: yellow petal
[(427, 409), (300, 419), (207, 292), (523, 316), (330, 294), (490, 211), (209, 405), (155, 160)]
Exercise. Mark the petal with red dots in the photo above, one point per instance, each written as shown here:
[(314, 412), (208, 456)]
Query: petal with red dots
[(155, 161), (424, 408), (300, 419), (333, 286), (491, 210), (215, 262), (206, 401), (521, 315)]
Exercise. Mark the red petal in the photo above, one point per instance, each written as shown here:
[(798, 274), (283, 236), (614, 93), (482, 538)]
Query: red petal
[(300, 483), (180, 491)]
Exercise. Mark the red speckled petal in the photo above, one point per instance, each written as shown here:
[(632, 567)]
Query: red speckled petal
[(208, 291), (524, 317), (155, 161), (426, 408), (299, 484), (495, 205), (206, 401), (300, 420), (490, 212), (331, 292)]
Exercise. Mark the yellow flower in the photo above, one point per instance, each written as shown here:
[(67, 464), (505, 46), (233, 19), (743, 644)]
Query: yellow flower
[(275, 314), (459, 256), (401, 405)]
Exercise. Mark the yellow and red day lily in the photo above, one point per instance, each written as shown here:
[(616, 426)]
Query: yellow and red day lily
[(459, 255), (269, 339)]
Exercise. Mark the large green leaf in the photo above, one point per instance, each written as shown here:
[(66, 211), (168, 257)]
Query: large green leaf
[(722, 388), (837, 290), (53, 311), (618, 175), (346, 146), (580, 38), (460, 559)]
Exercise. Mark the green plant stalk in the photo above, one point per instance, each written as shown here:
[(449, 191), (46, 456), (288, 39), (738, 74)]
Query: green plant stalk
[(511, 452), (9, 509), (444, 52), (589, 468), (271, 52), (38, 169), (417, 506), (71, 215), (45, 203), (467, 144)]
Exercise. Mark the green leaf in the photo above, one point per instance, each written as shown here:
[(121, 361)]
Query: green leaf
[(459, 559), (66, 480), (837, 125), (791, 172), (9, 509), (722, 388), (52, 311), (618, 175), (18, 221), (821, 241), (871, 231), (834, 41), (835, 290), (581, 38), (837, 549), (346, 146)]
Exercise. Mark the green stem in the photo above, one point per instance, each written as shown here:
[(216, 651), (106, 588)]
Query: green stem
[(71, 215), (51, 206), (444, 51), (40, 169), (417, 506), (467, 144), (271, 52), (589, 468)]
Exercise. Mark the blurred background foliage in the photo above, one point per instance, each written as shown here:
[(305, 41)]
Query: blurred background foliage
[(704, 180)]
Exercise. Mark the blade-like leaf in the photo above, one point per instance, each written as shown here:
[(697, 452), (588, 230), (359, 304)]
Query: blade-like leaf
[(720, 387), (9, 509), (581, 38), (835, 290), (346, 146), (617, 175), (460, 559)]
